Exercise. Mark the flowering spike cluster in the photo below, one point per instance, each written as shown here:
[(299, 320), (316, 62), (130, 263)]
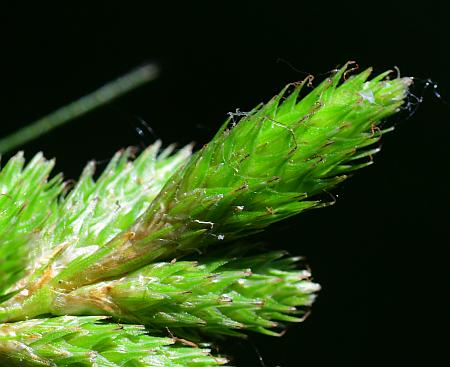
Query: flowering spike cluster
[(111, 247)]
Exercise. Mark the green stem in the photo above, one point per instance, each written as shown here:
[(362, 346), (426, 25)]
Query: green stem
[(80, 107)]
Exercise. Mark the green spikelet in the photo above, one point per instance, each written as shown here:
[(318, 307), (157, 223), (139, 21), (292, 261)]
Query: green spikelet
[(263, 170), (124, 248), (92, 213), (88, 341), (27, 199), (216, 295)]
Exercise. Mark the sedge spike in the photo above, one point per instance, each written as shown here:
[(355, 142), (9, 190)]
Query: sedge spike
[(108, 272)]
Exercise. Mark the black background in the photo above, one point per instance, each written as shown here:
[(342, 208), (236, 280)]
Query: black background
[(378, 253)]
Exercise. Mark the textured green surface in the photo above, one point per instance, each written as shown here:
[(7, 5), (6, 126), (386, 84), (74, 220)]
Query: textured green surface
[(150, 242), (91, 341), (27, 199), (215, 295)]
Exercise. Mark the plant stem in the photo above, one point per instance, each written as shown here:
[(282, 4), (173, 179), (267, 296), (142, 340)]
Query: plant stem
[(80, 107)]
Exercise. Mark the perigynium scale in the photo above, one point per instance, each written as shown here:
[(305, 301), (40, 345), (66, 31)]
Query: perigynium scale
[(99, 274)]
